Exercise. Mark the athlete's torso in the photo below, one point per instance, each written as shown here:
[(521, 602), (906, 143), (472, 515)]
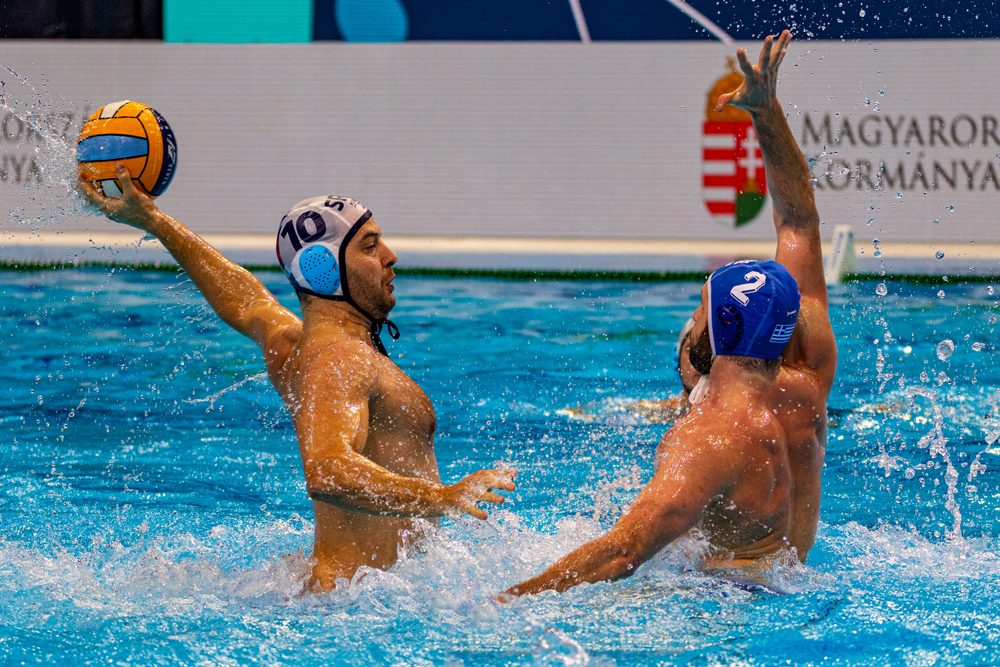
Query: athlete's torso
[(401, 427), (751, 518)]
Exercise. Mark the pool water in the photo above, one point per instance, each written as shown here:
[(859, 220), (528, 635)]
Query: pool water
[(153, 511)]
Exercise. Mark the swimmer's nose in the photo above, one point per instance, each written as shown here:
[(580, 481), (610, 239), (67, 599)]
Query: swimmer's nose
[(391, 259)]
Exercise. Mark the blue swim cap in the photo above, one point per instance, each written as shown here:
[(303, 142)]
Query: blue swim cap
[(312, 238), (752, 309)]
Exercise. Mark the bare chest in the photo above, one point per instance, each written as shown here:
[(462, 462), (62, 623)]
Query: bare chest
[(401, 424)]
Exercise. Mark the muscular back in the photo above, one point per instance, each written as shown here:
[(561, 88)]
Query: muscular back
[(798, 400)]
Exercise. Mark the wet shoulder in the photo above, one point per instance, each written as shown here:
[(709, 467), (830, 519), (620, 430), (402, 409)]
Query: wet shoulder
[(710, 427), (798, 392), (333, 360)]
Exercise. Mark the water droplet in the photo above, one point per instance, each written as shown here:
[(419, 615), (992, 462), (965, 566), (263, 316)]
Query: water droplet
[(871, 220), (881, 289), (881, 92), (941, 294), (939, 254), (937, 222), (977, 346), (899, 195), (879, 362), (923, 377), (862, 13), (989, 290), (910, 473), (942, 378), (867, 102), (993, 319), (945, 349), (951, 208)]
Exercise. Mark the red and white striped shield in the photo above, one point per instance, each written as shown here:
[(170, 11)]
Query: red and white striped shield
[(733, 180)]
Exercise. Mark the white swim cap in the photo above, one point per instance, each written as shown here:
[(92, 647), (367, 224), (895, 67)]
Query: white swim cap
[(312, 238)]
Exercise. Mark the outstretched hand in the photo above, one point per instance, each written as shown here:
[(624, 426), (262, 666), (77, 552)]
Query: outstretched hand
[(760, 82), (478, 487), (133, 208)]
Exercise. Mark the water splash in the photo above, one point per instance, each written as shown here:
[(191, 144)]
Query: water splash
[(259, 377), (938, 445), (38, 160)]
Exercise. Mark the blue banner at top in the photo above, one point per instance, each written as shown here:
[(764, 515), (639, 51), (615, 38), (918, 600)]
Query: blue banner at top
[(647, 20)]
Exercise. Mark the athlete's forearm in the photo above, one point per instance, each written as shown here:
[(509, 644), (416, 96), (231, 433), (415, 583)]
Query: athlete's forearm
[(604, 559), (363, 486), (229, 288), (788, 179)]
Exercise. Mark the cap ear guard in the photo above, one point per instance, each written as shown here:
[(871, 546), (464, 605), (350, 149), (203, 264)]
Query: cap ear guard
[(318, 268), (312, 238), (729, 328)]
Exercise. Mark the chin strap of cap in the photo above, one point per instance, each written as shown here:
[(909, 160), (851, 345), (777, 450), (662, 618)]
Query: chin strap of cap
[(376, 330), (374, 327)]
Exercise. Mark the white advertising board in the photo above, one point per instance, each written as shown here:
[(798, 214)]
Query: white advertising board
[(526, 140)]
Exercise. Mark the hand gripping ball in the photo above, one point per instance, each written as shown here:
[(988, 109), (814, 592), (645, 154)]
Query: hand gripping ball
[(132, 133)]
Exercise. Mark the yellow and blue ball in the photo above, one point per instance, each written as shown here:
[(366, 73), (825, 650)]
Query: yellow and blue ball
[(132, 133)]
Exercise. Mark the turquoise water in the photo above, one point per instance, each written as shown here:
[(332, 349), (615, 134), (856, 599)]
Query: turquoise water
[(152, 507)]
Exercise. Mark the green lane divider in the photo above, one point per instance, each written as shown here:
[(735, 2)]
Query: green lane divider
[(507, 274)]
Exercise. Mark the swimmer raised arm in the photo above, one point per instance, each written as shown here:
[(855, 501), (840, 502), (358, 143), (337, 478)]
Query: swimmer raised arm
[(744, 464), (237, 297), (796, 218), (809, 360)]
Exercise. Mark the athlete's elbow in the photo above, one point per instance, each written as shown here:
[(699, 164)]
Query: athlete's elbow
[(327, 495), (330, 492)]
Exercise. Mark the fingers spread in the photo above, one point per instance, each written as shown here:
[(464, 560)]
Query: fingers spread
[(476, 513), (502, 478), (492, 498), (124, 178), (765, 51), (741, 57), (723, 100), (97, 198), (782, 47)]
